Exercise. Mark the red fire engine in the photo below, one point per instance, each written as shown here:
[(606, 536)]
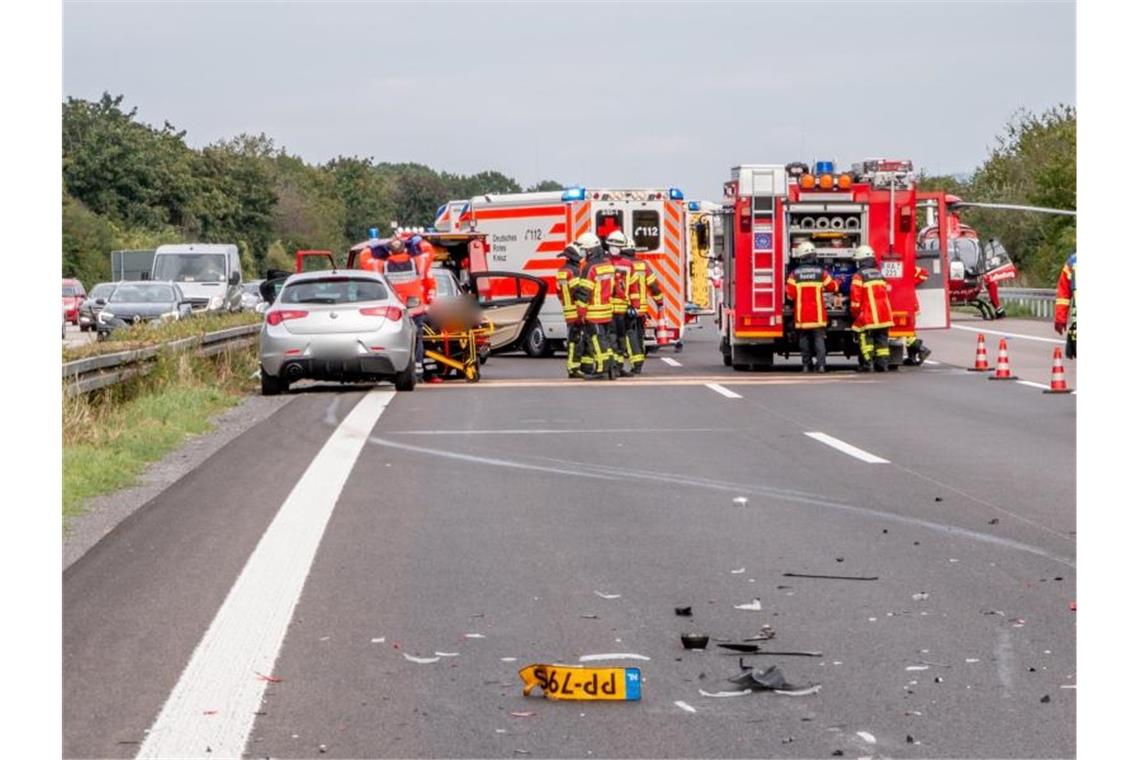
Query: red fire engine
[(769, 209)]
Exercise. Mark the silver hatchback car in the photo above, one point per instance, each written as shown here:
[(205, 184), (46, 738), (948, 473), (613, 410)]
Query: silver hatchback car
[(345, 326)]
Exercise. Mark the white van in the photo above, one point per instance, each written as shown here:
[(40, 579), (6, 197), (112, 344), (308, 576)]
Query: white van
[(208, 274)]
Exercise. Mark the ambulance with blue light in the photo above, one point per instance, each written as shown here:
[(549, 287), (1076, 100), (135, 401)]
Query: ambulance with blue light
[(526, 232)]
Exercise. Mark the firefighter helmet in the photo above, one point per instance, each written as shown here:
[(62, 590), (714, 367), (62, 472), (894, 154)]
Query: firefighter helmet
[(806, 250), (864, 252), (571, 253), (616, 239), (396, 245), (588, 240)]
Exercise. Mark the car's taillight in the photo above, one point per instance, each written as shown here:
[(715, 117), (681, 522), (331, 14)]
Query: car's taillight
[(393, 313), (277, 317)]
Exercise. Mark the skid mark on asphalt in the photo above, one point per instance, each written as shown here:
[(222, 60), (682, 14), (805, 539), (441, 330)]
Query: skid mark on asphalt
[(211, 709), (602, 472), (847, 448)]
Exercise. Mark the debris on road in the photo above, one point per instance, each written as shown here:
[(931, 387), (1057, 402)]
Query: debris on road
[(447, 654), (508, 659), (420, 660), (741, 647), (1045, 699), (694, 641), (685, 706), (770, 679), (833, 577), (866, 736), (607, 596), (740, 501), (270, 679), (1072, 606), (379, 640), (921, 596), (918, 667), (524, 714), (575, 682), (994, 521), (792, 653), (611, 656), (753, 606), (588, 617), (737, 572), (742, 693), (683, 611), (767, 632), (474, 636)]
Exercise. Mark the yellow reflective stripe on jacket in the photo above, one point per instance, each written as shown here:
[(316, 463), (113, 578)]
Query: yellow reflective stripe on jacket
[(878, 320)]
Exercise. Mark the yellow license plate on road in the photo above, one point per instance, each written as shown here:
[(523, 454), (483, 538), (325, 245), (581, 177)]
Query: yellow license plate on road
[(577, 682)]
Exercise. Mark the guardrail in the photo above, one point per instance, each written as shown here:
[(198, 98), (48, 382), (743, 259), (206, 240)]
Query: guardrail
[(92, 373), (1039, 301)]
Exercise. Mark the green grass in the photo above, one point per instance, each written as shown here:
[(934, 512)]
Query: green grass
[(153, 333), (110, 436)]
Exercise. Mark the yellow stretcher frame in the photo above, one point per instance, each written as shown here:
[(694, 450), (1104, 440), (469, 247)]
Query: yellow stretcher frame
[(457, 349)]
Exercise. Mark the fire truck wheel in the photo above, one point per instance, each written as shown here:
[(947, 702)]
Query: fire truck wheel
[(536, 345)]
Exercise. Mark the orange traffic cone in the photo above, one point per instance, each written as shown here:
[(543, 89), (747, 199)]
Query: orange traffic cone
[(1057, 382), (1003, 372), (981, 362)]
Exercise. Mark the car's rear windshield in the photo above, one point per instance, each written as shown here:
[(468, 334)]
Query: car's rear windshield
[(334, 290), (69, 290)]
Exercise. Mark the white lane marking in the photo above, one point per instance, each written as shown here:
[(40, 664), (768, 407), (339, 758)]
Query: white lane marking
[(932, 363), (1032, 384), (671, 362), (722, 390), (1009, 334), (555, 431), (847, 448), (685, 706), (246, 634)]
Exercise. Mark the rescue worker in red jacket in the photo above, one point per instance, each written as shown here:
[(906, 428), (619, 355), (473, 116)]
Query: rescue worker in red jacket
[(411, 277), (916, 352), (1065, 309), (871, 308), (595, 304), (804, 288), (567, 280), (642, 287), (623, 269)]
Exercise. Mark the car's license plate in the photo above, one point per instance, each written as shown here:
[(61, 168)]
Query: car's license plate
[(576, 682)]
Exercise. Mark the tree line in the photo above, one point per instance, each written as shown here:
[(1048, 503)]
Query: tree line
[(127, 184), (1033, 162)]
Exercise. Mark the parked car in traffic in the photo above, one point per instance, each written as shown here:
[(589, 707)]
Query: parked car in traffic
[(93, 304), (134, 303), (73, 297), (209, 274), (348, 327)]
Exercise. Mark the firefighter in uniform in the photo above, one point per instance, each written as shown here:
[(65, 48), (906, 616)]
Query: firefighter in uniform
[(916, 352), (1065, 310), (804, 288), (567, 280), (595, 295), (619, 336), (642, 285), (871, 308)]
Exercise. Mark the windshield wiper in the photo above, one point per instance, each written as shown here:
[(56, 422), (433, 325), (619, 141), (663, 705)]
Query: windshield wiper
[(318, 300)]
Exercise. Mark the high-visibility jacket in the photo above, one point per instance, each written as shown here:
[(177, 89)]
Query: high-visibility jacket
[(623, 270), (870, 301), (804, 288), (642, 284), (596, 292), (920, 275), (1066, 291), (568, 280), (411, 277)]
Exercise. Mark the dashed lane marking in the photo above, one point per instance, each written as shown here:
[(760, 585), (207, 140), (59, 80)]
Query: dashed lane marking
[(1032, 384), (645, 382), (212, 707), (847, 448), (722, 390), (1009, 334), (671, 362)]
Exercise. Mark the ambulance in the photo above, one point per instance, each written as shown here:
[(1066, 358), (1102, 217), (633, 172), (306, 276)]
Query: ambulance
[(526, 232)]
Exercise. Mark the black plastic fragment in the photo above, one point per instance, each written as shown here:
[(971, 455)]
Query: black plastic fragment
[(683, 611)]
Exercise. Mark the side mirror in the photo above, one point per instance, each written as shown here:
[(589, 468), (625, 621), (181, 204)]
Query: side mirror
[(100, 301), (144, 275), (235, 278)]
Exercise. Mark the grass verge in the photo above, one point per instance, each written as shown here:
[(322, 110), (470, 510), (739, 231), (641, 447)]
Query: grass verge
[(110, 436), (153, 333)]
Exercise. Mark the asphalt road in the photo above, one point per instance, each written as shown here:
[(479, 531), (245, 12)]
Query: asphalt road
[(530, 519)]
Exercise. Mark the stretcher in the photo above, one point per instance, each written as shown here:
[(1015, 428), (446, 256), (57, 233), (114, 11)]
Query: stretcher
[(458, 350)]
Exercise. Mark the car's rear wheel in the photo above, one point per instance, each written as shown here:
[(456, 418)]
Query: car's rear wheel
[(406, 380), (272, 386), (536, 345)]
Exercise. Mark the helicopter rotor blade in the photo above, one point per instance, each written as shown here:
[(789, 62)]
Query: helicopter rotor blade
[(1013, 207)]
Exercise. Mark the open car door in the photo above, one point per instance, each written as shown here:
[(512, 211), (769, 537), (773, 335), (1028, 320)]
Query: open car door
[(311, 261), (934, 294), (511, 301)]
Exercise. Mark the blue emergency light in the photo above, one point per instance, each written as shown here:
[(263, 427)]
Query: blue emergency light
[(694, 206), (373, 233), (675, 194), (574, 194), (824, 167)]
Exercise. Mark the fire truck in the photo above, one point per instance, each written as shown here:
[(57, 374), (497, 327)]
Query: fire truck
[(527, 231), (770, 208)]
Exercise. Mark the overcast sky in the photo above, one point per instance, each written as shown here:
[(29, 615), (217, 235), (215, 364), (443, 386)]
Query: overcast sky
[(590, 93)]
